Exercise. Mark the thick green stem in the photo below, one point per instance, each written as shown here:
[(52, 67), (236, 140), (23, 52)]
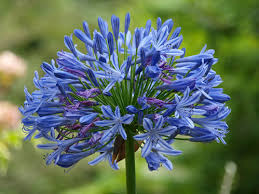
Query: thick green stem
[(130, 164)]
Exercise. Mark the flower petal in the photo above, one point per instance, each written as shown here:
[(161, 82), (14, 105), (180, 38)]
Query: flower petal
[(164, 144), (109, 86), (122, 132), (147, 124), (167, 130), (109, 133), (146, 149), (140, 137), (117, 112), (107, 112), (127, 119), (188, 122), (159, 123), (104, 123)]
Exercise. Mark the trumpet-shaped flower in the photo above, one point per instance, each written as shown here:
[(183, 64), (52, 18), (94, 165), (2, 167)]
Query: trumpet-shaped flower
[(114, 123), (154, 135)]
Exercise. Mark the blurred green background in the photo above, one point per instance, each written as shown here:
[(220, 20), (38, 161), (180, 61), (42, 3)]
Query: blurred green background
[(34, 30)]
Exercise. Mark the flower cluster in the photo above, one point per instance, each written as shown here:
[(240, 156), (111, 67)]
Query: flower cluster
[(124, 84)]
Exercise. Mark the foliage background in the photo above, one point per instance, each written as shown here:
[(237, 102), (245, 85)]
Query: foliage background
[(35, 29)]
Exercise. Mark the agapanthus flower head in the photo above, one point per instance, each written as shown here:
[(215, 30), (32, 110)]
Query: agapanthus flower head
[(136, 83)]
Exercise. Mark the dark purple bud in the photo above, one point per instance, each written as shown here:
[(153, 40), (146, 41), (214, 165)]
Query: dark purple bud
[(93, 92), (86, 128), (75, 72), (89, 103), (95, 138), (72, 107), (156, 102)]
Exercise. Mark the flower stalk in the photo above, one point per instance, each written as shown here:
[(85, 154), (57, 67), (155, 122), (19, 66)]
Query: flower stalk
[(130, 164)]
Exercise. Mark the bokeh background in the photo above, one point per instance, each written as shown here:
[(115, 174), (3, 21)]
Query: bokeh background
[(33, 32)]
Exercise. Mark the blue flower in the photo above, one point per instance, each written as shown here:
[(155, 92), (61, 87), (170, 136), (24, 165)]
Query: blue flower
[(154, 135), (59, 147), (114, 75), (106, 154), (78, 102), (183, 107), (164, 46), (156, 158), (215, 124), (115, 122)]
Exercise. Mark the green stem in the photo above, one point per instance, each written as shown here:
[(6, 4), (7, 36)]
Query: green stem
[(130, 164)]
